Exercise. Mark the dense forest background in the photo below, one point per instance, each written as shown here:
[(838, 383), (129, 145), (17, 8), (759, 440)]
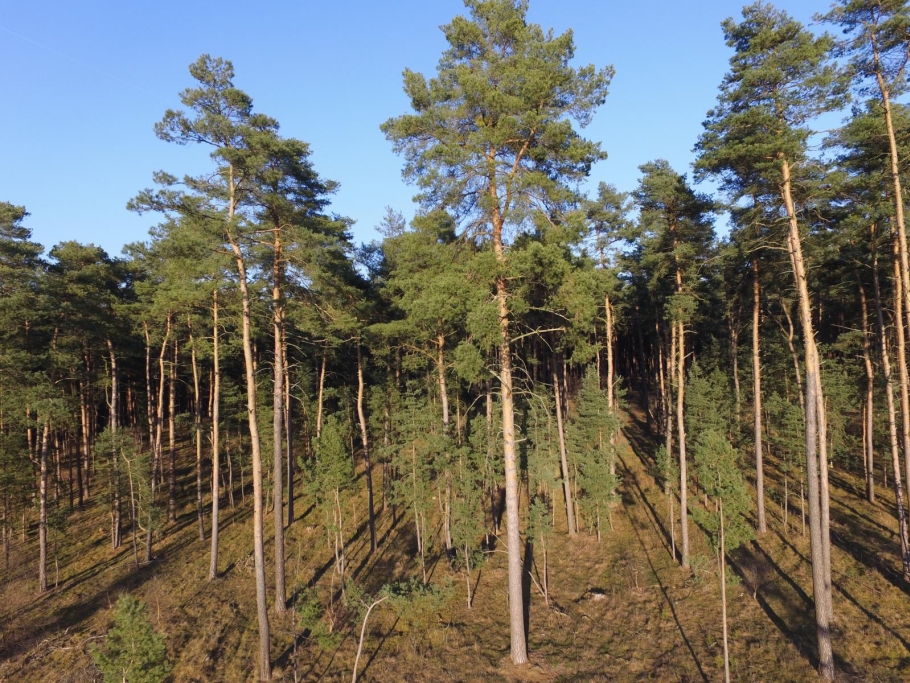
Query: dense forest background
[(535, 434)]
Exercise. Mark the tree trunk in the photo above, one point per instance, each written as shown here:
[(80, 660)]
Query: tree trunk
[(42, 510), (681, 446), (608, 313), (723, 589), (172, 439), (734, 361), (368, 464), (216, 439), (197, 428), (756, 397), (902, 266), (821, 571), (671, 381), (278, 425), (869, 412), (83, 460), (265, 665), (288, 426), (518, 648), (114, 425), (563, 461), (156, 453), (319, 394), (892, 417)]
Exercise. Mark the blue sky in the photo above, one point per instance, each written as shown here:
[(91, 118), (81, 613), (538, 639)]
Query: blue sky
[(83, 83)]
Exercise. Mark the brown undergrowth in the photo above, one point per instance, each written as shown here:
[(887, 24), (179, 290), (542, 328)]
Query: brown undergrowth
[(620, 610)]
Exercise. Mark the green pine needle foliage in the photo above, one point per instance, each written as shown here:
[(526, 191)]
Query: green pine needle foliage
[(134, 652)]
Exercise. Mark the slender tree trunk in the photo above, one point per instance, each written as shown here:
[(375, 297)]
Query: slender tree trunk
[(723, 590), (319, 394), (734, 360), (892, 417), (902, 266), (172, 439), (158, 421), (278, 424), (42, 510), (83, 460), (114, 425), (518, 648), (903, 374), (869, 412), (216, 439), (197, 427), (681, 438), (364, 439), (608, 313), (756, 397), (680, 414), (821, 571), (265, 665), (444, 402), (288, 426), (563, 461), (671, 381)]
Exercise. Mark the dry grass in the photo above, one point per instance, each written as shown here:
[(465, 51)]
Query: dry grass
[(621, 610)]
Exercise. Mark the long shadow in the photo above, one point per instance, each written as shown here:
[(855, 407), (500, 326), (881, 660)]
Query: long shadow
[(376, 651), (801, 637), (659, 528), (526, 567), (861, 515), (74, 615), (665, 592), (637, 444)]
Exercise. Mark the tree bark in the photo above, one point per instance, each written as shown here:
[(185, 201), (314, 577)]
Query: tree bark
[(197, 428), (608, 314), (216, 439), (869, 412), (723, 589), (42, 510), (821, 570), (265, 665), (518, 647), (320, 394), (278, 424), (83, 460), (288, 427), (892, 417), (680, 410), (756, 397), (114, 425), (563, 461), (172, 439), (364, 438)]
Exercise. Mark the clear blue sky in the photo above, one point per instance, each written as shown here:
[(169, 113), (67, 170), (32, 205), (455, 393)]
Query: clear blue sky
[(84, 82)]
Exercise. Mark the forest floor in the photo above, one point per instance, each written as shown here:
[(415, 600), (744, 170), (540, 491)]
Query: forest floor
[(619, 610)]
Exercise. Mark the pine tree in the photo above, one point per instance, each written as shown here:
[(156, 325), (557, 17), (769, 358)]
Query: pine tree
[(778, 82), (133, 651), (489, 136)]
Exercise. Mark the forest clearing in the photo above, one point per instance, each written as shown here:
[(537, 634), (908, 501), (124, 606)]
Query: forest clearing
[(541, 432)]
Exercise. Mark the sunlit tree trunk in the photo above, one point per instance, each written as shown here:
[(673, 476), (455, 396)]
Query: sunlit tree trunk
[(892, 416), (366, 449), (818, 525), (216, 437), (756, 398)]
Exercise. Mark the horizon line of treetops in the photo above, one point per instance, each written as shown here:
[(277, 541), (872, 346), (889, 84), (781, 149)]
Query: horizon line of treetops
[(486, 346)]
